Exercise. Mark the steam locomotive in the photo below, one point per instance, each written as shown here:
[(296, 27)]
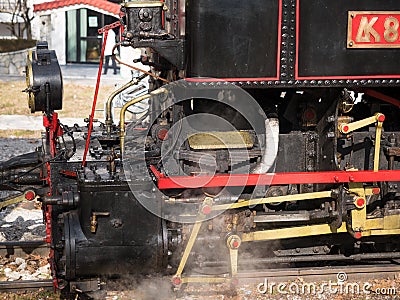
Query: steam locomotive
[(270, 136)]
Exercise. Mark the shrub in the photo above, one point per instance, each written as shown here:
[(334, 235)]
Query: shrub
[(10, 45)]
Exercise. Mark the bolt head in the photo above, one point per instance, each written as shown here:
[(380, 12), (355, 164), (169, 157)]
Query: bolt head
[(376, 190), (30, 195), (176, 280), (235, 281), (360, 202), (206, 209), (234, 242)]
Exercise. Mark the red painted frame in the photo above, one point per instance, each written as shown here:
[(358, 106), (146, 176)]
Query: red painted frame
[(221, 180), (252, 79), (354, 23), (340, 77)]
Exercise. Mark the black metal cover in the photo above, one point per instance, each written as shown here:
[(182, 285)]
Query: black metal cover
[(322, 51), (129, 240), (232, 38)]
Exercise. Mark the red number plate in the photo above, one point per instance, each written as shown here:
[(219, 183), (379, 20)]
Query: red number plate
[(373, 29)]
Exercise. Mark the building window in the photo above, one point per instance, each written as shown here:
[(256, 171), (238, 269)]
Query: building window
[(83, 41)]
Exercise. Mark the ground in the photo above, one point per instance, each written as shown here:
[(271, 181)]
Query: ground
[(77, 103), (157, 289)]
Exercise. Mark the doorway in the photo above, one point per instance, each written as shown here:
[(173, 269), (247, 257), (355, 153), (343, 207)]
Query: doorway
[(83, 41)]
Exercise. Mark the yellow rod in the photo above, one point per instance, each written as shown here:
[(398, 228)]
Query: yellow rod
[(204, 280), (356, 125), (14, 200), (386, 232), (252, 202), (291, 232), (189, 246), (233, 253)]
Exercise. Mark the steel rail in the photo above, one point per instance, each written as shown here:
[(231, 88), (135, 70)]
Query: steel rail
[(19, 248), (10, 286), (310, 259), (353, 273), (32, 243)]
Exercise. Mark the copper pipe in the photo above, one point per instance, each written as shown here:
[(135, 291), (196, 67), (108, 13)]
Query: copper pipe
[(136, 68)]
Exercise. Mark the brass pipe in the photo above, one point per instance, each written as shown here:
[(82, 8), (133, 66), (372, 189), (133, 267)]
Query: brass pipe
[(123, 111), (109, 120)]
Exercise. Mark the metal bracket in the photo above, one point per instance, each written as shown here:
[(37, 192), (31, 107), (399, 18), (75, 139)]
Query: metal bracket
[(378, 118), (83, 286), (358, 215), (233, 244)]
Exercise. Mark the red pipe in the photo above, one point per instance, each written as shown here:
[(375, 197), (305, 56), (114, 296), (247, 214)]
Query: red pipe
[(96, 92), (381, 96)]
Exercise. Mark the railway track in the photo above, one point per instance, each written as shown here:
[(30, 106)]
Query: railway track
[(20, 248), (382, 270), (12, 286), (307, 283), (359, 274), (353, 273)]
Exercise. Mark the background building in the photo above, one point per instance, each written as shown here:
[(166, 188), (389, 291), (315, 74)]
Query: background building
[(70, 27)]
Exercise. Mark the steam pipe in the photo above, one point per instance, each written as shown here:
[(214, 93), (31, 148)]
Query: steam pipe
[(271, 147), (123, 111)]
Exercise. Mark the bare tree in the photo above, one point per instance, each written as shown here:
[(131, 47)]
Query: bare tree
[(20, 8)]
